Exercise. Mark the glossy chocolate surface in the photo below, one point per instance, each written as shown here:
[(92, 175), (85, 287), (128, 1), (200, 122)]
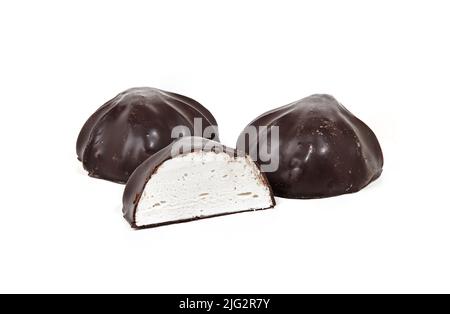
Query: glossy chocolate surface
[(133, 126), (324, 149), (138, 180)]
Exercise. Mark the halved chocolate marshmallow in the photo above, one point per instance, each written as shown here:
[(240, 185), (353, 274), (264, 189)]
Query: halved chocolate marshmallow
[(194, 178)]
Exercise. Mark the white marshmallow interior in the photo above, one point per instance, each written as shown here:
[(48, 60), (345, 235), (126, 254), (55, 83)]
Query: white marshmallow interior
[(201, 184)]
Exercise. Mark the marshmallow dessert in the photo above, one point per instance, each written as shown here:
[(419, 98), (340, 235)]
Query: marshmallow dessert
[(324, 150), (136, 124), (191, 179)]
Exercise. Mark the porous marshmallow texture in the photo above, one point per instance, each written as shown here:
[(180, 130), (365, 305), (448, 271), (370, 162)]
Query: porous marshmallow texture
[(202, 184)]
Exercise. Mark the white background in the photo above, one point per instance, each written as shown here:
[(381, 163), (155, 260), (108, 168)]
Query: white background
[(386, 61)]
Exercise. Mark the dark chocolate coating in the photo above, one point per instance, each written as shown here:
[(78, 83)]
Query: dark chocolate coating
[(138, 180), (133, 126), (324, 149)]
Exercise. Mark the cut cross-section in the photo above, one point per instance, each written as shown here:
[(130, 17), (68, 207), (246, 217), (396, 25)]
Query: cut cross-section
[(198, 184)]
